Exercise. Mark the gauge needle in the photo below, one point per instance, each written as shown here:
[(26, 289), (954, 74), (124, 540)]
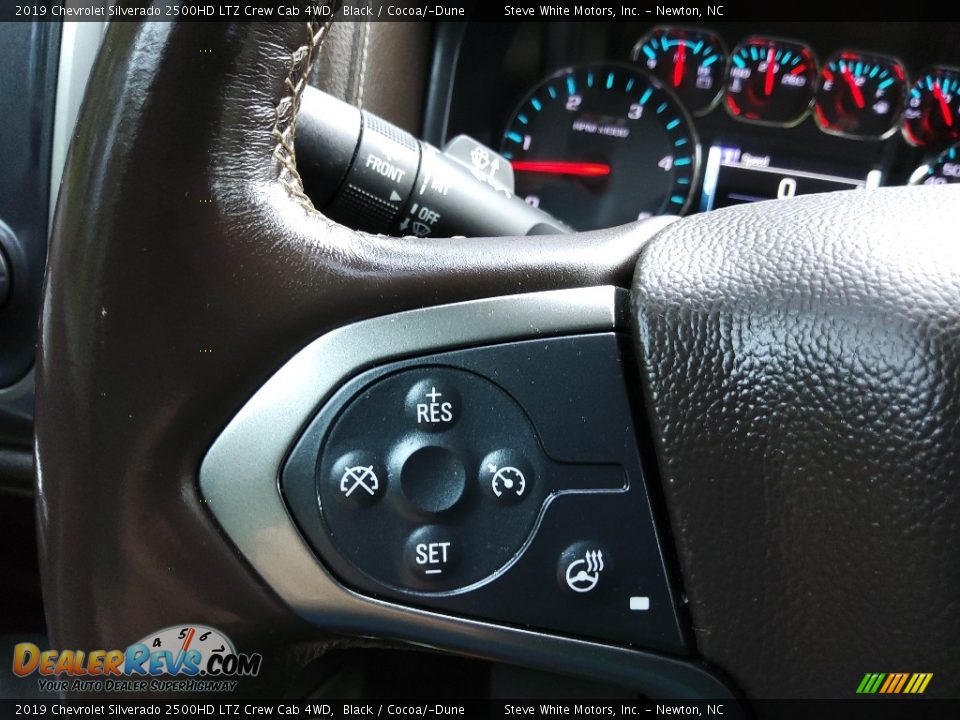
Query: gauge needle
[(854, 89), (768, 80), (681, 60), (944, 107), (561, 168), (188, 639)]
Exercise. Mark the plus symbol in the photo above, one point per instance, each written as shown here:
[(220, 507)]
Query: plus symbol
[(433, 394)]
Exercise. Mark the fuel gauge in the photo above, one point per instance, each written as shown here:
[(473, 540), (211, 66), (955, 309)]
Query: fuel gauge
[(860, 96)]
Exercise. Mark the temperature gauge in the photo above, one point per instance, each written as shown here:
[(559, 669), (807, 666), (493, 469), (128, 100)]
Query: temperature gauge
[(689, 62), (860, 96), (932, 116), (771, 81)]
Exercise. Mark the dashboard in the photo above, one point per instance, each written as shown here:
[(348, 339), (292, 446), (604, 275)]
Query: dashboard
[(607, 123)]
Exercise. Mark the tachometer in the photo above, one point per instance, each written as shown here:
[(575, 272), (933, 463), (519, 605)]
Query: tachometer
[(771, 81), (689, 62), (932, 115), (602, 145), (860, 96)]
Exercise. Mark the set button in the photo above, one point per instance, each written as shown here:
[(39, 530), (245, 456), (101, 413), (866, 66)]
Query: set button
[(432, 553)]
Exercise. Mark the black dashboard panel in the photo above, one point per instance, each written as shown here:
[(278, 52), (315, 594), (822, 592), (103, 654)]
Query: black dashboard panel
[(496, 65), (28, 58)]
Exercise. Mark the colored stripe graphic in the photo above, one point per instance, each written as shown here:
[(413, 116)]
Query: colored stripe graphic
[(892, 679), (894, 683), (899, 687), (870, 683)]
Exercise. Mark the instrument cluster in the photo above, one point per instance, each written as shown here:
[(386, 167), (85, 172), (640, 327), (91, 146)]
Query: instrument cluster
[(690, 119), (779, 82)]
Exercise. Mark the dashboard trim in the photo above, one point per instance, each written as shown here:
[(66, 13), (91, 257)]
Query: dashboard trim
[(79, 46)]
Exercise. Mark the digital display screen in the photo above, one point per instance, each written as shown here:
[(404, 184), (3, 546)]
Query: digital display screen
[(734, 176)]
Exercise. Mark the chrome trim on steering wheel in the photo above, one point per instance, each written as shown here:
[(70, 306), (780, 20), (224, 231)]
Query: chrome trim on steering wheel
[(239, 483)]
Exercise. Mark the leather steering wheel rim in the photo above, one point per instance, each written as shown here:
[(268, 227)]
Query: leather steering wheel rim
[(187, 265)]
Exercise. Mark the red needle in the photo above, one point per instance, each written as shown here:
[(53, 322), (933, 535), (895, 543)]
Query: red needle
[(561, 168), (768, 81), (187, 640), (944, 108), (678, 68), (857, 95)]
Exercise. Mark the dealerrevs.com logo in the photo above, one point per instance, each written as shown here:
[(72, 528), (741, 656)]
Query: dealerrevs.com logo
[(200, 658)]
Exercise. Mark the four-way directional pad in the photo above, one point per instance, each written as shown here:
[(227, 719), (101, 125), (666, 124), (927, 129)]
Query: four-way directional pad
[(431, 464)]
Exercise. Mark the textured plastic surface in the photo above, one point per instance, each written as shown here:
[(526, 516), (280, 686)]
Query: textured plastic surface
[(574, 551)]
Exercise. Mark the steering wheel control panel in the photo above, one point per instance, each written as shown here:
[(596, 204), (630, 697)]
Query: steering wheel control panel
[(500, 483)]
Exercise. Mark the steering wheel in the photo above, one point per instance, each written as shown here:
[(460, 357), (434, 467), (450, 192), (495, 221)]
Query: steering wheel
[(796, 365)]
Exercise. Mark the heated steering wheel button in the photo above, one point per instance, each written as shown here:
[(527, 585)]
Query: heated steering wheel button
[(433, 479), (358, 478), (432, 553), (583, 567), (433, 405)]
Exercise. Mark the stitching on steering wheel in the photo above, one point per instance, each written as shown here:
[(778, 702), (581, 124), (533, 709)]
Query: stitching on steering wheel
[(363, 62), (285, 126)]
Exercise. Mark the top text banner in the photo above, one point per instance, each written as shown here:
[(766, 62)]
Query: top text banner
[(473, 10)]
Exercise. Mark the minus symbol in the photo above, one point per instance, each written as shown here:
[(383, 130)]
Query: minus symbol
[(432, 572)]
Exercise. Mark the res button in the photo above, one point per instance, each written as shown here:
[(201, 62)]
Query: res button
[(432, 404)]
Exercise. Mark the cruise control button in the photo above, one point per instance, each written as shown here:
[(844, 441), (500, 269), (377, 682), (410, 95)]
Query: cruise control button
[(506, 477), (358, 478), (433, 405), (432, 553), (433, 479), (583, 567)]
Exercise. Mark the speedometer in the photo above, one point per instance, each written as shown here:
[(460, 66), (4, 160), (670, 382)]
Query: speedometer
[(601, 145)]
